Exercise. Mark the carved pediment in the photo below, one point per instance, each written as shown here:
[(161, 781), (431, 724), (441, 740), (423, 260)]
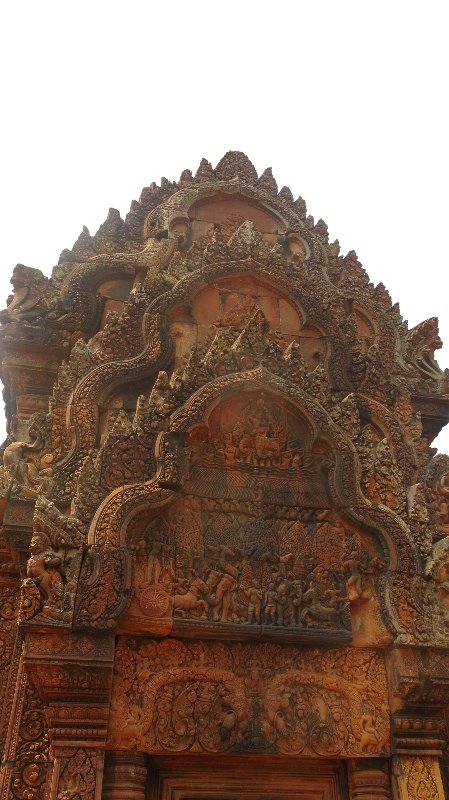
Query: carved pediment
[(248, 546)]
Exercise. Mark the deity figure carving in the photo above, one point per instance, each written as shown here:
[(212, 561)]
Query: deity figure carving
[(29, 299), (26, 466), (53, 566), (238, 528), (370, 739), (44, 567)]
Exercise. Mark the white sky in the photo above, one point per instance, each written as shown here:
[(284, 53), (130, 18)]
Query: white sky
[(347, 101)]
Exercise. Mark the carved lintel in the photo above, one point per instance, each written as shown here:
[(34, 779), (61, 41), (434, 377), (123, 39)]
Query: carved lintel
[(125, 775), (369, 778), (251, 699)]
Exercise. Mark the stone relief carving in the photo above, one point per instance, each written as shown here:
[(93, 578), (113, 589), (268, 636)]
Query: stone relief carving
[(173, 697), (420, 781), (27, 466), (53, 567), (30, 749), (77, 777), (221, 562), (247, 434), (253, 544)]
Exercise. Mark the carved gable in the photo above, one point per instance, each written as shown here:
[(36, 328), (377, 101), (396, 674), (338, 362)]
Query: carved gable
[(224, 525)]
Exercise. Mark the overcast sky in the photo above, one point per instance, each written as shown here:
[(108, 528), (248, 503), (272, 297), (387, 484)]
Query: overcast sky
[(346, 101)]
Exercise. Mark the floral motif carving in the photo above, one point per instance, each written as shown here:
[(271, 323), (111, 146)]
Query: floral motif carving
[(77, 778), (102, 586), (420, 781), (173, 697), (31, 758), (8, 636)]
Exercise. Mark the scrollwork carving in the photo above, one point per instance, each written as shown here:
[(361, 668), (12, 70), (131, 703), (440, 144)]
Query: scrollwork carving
[(102, 587), (173, 697)]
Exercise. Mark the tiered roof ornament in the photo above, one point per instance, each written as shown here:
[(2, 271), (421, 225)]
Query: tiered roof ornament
[(219, 428)]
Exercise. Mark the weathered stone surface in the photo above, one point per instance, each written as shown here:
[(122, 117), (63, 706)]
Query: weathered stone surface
[(224, 529)]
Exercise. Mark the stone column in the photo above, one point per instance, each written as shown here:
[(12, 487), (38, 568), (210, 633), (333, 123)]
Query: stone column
[(369, 779), (125, 775), (420, 692), (416, 777)]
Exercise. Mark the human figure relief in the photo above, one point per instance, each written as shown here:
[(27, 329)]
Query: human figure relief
[(370, 739), (254, 596), (282, 600), (296, 602), (321, 601), (45, 569), (18, 465), (270, 599), (154, 565), (223, 600)]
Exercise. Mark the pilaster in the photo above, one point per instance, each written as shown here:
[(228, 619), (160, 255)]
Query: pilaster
[(73, 674), (369, 779), (419, 730), (416, 777), (125, 775)]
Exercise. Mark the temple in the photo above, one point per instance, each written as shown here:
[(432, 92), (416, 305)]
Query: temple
[(224, 549)]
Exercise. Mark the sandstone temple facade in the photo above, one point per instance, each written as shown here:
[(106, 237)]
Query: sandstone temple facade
[(224, 553)]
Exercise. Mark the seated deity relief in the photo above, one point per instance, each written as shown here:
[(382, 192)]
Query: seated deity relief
[(255, 443)]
